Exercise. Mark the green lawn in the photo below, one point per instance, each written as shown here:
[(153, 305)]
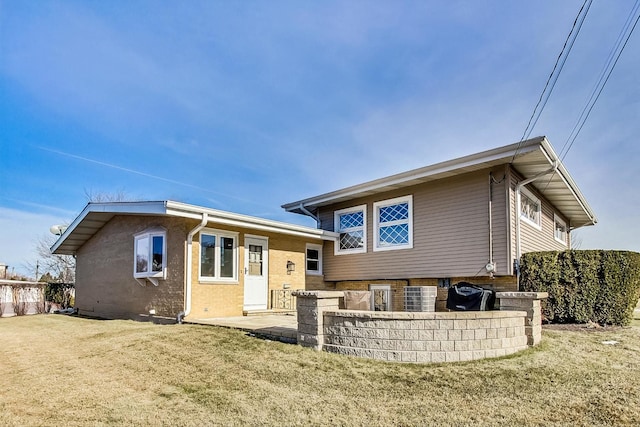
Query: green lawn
[(64, 370)]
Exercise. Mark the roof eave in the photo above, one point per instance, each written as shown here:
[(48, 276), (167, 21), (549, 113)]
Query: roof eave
[(440, 170), (178, 209)]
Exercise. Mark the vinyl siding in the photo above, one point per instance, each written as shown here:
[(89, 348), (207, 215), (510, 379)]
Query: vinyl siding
[(531, 238), (451, 232)]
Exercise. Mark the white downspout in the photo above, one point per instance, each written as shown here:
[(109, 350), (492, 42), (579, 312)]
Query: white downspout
[(189, 268), (519, 186), (306, 211)]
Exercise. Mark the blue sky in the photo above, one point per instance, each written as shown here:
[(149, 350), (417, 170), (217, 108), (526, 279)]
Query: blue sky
[(243, 106)]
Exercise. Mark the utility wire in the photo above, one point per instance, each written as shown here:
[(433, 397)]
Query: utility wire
[(553, 77), (610, 64)]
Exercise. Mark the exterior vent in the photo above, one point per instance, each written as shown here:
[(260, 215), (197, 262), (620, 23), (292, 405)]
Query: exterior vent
[(420, 298)]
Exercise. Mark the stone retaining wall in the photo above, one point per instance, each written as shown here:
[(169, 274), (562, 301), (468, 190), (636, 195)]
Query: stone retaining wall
[(419, 337), (424, 337)]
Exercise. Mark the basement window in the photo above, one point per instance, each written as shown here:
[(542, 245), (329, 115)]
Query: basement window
[(314, 259), (150, 254)]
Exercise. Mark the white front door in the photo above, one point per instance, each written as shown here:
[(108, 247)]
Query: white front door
[(256, 274)]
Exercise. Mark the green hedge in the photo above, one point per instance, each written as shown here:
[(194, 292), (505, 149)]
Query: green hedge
[(584, 286)]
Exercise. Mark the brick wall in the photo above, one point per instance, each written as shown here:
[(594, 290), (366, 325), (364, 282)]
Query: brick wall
[(105, 286), (498, 284), (224, 299)]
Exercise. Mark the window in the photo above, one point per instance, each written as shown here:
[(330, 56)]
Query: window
[(314, 259), (150, 254), (380, 297), (530, 208), (393, 224), (218, 256), (560, 230), (351, 224)]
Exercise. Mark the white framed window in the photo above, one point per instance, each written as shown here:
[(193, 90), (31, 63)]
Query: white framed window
[(150, 254), (393, 224), (218, 256), (351, 224), (559, 229), (314, 259), (530, 208)]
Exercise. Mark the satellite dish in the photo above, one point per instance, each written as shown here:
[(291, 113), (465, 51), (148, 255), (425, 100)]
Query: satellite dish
[(58, 230)]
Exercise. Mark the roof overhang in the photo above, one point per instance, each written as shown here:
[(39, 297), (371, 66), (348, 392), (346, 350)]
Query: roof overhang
[(529, 158), (96, 215)]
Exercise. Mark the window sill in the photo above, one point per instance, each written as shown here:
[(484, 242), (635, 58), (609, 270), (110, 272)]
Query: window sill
[(392, 248), (314, 273), (218, 282), (159, 276), (352, 251), (531, 223), (562, 242)]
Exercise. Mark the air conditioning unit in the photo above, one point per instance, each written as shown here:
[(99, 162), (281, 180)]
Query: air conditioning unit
[(420, 298)]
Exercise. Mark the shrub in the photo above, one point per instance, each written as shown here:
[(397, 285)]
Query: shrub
[(584, 286), (60, 293)]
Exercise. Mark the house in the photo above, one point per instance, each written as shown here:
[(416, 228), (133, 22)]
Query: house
[(467, 219), (167, 259)]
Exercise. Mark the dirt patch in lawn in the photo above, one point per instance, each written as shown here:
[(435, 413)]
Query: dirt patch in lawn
[(581, 327)]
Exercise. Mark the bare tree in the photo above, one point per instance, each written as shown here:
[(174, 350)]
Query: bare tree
[(576, 240), (62, 268), (102, 197)]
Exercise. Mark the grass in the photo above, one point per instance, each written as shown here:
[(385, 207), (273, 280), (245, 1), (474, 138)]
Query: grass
[(75, 371)]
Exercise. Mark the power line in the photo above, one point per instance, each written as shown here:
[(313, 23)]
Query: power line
[(553, 77), (610, 64)]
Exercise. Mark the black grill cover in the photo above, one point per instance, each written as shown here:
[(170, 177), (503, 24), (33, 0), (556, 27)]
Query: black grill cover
[(468, 297)]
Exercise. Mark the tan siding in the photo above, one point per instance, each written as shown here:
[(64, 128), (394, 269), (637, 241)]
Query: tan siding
[(543, 239), (531, 238), (451, 235)]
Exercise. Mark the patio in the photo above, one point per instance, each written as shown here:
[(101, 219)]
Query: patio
[(276, 327)]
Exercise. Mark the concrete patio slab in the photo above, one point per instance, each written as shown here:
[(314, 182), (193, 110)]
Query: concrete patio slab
[(277, 327)]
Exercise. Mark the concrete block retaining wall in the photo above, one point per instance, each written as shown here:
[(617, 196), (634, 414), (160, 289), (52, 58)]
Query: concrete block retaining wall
[(419, 337), (424, 337)]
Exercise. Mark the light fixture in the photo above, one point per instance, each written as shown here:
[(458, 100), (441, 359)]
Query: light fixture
[(290, 267)]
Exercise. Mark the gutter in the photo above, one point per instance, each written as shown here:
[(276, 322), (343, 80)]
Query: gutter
[(189, 267), (518, 189)]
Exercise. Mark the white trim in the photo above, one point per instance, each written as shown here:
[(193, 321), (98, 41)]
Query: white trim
[(315, 247), (265, 272), (336, 226), (557, 219), (218, 234), (95, 215), (535, 199), (376, 223), (255, 236)]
